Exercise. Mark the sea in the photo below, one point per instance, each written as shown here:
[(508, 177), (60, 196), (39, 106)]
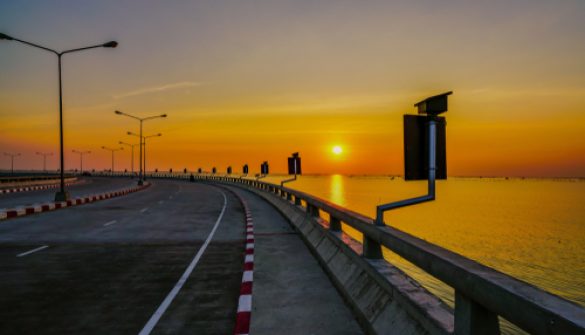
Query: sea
[(530, 228)]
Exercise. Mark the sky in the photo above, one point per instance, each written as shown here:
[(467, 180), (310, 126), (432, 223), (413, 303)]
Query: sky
[(253, 81)]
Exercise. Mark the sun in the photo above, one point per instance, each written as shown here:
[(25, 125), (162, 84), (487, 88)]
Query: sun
[(337, 150)]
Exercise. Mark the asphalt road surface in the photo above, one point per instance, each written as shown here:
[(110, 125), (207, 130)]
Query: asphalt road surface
[(109, 266)]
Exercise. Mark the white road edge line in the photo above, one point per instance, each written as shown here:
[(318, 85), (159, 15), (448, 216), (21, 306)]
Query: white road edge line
[(31, 251), (110, 223), (143, 210), (167, 302)]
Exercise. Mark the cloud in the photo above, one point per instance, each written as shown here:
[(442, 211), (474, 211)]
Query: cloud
[(157, 89)]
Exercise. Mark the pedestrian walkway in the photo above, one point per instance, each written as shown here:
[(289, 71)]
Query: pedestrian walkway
[(292, 294)]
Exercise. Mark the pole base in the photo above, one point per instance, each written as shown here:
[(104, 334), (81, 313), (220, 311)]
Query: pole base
[(62, 196), (140, 183)]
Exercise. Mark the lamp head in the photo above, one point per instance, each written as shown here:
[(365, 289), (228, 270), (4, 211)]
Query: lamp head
[(110, 44), (164, 115), (118, 112), (5, 37), (103, 147)]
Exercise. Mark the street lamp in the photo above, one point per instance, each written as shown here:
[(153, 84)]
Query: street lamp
[(81, 153), (61, 195), (113, 150), (132, 155), (144, 145), (11, 160), (45, 159), (140, 178)]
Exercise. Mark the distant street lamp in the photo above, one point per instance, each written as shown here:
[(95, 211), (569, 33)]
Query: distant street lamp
[(45, 159), (113, 150), (132, 155), (140, 177), (61, 195), (81, 153), (144, 144), (11, 160)]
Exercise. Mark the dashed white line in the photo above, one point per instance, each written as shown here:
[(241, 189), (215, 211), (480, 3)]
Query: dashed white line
[(110, 223), (161, 202), (31, 251), (143, 210), (170, 196), (166, 303)]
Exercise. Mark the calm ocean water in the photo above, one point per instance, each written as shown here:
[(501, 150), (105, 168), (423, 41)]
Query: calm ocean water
[(532, 229)]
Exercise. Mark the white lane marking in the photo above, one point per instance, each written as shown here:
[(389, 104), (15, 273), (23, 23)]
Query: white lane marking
[(110, 223), (31, 251), (170, 196), (161, 202), (167, 302), (143, 210)]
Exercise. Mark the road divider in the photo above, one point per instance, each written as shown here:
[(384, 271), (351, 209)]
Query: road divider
[(50, 206), (34, 187), (244, 312)]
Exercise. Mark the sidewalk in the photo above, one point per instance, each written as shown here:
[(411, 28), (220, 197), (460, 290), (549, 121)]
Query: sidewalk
[(292, 294)]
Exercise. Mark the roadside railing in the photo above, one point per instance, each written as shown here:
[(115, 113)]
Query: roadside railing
[(481, 293)]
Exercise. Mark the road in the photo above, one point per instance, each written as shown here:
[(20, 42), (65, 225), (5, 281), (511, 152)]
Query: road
[(85, 186), (106, 267)]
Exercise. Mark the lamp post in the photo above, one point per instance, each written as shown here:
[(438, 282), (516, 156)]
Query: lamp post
[(140, 177), (132, 155), (144, 145), (81, 153), (11, 160), (61, 195), (45, 154), (113, 150)]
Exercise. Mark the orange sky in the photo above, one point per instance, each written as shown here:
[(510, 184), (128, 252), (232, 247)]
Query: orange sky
[(244, 83)]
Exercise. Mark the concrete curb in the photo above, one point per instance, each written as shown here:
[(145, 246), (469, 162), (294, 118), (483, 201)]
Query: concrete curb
[(33, 188), (50, 206), (244, 313)]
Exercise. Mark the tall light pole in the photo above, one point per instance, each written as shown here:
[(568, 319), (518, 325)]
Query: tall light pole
[(45, 154), (81, 153), (61, 195), (140, 177), (11, 160), (132, 155), (144, 145), (113, 150)]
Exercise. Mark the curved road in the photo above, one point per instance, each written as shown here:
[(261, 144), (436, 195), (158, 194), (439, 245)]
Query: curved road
[(104, 268), (123, 266)]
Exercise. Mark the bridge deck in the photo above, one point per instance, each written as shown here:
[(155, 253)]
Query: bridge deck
[(108, 267)]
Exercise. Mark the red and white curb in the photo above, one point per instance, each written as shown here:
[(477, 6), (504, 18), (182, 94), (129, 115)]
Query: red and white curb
[(244, 313), (50, 206), (33, 188)]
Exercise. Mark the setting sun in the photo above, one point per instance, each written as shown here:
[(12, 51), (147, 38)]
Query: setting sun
[(337, 150)]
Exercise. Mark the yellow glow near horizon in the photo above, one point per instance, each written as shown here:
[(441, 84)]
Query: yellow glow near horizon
[(337, 150)]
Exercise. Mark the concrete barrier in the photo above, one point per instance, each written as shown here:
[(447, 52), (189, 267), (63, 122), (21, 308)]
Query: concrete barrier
[(384, 299)]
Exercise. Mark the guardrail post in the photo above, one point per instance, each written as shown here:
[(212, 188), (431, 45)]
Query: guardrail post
[(313, 210), (334, 223), (288, 196), (372, 249), (474, 319), (298, 201)]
